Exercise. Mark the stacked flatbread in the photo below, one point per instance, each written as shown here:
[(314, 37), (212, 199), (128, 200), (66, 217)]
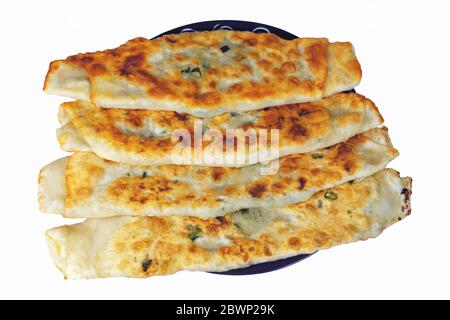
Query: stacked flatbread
[(148, 213)]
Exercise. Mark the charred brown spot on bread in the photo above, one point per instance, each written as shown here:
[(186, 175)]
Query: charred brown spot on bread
[(147, 76), (217, 173), (134, 60), (163, 143), (277, 187), (344, 150), (406, 209), (137, 190), (181, 116), (301, 183), (212, 84), (132, 63), (113, 52), (97, 68), (245, 256), (406, 193), (164, 188), (134, 118), (134, 199), (140, 244), (271, 39), (251, 41), (348, 166), (235, 88), (273, 120), (297, 130), (321, 238), (294, 242), (74, 58), (161, 89), (208, 98), (295, 82), (264, 64), (267, 251), (309, 85), (143, 200), (257, 190), (288, 67), (225, 250), (316, 55), (212, 228), (170, 39), (255, 91), (278, 73), (222, 220)]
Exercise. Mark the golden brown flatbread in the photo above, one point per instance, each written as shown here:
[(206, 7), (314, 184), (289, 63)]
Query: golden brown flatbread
[(86, 186), (207, 73), (147, 246), (144, 137)]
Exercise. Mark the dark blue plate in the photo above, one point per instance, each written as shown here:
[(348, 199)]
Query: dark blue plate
[(231, 25), (258, 28), (265, 266)]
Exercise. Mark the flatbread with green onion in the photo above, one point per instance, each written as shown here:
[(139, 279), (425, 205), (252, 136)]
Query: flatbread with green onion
[(147, 246), (207, 73), (144, 137), (86, 186)]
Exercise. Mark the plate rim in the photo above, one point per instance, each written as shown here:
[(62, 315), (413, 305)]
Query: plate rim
[(278, 31)]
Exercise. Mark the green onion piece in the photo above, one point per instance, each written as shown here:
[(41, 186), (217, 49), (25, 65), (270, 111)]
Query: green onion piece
[(330, 195), (146, 264), (187, 70), (225, 48), (244, 211), (317, 155), (197, 69), (319, 203), (194, 232)]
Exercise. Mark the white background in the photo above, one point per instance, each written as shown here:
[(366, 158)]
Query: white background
[(405, 54)]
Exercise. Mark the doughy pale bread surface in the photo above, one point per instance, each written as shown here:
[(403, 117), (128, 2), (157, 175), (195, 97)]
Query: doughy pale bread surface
[(144, 137), (207, 73), (86, 186), (148, 246)]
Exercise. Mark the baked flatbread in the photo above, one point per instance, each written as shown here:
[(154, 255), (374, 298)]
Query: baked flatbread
[(207, 73), (86, 186), (144, 137), (148, 246)]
